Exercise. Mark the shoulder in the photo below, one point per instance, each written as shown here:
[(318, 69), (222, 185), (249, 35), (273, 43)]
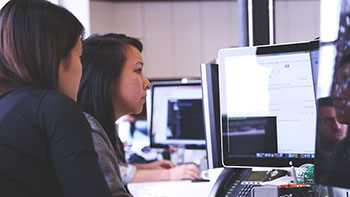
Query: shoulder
[(54, 109), (51, 101), (30, 94), (94, 124), (40, 97), (99, 136), (55, 98), (37, 100)]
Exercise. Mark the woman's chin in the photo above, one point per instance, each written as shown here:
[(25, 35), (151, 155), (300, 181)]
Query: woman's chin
[(137, 111)]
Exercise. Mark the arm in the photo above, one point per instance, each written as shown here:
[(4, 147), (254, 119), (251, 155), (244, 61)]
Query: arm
[(72, 153), (161, 164), (186, 171), (109, 165)]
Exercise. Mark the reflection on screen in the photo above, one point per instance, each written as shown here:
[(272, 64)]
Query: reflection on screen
[(269, 105), (252, 135), (177, 116)]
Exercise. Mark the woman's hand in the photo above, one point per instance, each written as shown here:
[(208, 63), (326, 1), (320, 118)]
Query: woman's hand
[(186, 171), (161, 164)]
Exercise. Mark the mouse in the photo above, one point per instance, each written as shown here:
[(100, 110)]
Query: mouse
[(275, 174)]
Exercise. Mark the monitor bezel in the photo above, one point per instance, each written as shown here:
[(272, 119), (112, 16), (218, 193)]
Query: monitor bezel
[(211, 106), (261, 50), (155, 84)]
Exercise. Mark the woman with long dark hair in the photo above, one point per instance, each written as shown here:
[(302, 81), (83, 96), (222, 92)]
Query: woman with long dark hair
[(113, 85), (46, 147)]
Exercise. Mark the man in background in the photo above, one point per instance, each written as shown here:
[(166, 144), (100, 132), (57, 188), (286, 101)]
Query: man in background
[(331, 132)]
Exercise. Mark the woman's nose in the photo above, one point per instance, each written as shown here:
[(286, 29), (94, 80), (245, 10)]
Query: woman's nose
[(146, 83)]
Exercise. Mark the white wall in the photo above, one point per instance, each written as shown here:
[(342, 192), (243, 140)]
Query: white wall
[(178, 36), (80, 9), (297, 20)]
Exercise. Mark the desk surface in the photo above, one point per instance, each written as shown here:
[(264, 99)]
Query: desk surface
[(185, 188), (188, 188)]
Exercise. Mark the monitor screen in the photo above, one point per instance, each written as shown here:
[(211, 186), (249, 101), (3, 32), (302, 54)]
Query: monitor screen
[(211, 112), (176, 114), (268, 108)]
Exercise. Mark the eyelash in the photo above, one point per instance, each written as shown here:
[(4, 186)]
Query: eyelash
[(139, 70)]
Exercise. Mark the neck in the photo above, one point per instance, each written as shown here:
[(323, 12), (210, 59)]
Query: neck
[(117, 116)]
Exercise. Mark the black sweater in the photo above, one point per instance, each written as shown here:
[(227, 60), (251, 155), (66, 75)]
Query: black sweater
[(46, 147)]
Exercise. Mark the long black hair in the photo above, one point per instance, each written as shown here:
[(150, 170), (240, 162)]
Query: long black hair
[(103, 59), (34, 36)]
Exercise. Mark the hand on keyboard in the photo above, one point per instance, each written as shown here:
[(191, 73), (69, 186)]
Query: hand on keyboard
[(161, 164), (185, 171)]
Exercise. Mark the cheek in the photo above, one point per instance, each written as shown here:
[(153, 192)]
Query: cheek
[(130, 88), (123, 88), (137, 84), (79, 69), (324, 127), (134, 85), (75, 71), (133, 91), (125, 92)]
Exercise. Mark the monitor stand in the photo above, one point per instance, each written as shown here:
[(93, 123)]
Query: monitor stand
[(293, 173)]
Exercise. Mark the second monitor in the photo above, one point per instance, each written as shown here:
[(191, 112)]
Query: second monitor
[(211, 112), (268, 105), (176, 114)]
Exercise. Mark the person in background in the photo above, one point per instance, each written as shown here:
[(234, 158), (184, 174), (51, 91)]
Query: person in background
[(331, 132), (338, 171), (46, 147), (113, 85)]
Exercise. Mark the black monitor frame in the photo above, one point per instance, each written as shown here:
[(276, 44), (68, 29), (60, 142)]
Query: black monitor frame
[(155, 84), (211, 113), (264, 161)]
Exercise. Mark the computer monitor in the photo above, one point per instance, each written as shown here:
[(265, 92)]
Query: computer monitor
[(268, 108), (176, 114), (211, 112)]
